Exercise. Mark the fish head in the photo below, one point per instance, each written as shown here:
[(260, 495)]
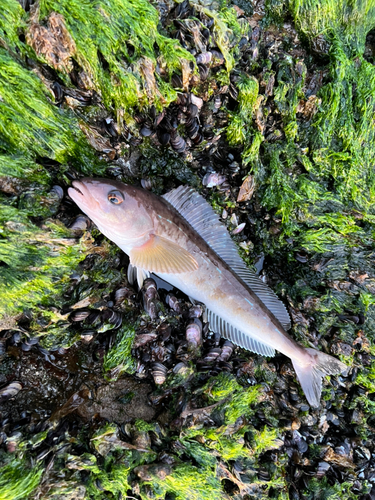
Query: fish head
[(114, 207)]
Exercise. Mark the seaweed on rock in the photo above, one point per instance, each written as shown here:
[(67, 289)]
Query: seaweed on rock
[(202, 93), (114, 44), (32, 131)]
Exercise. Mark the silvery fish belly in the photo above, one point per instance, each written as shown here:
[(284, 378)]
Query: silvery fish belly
[(232, 311), (180, 238)]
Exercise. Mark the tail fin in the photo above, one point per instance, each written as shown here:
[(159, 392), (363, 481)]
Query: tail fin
[(310, 376)]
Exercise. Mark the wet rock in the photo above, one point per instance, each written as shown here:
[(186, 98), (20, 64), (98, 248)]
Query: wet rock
[(53, 42), (107, 403), (148, 472)]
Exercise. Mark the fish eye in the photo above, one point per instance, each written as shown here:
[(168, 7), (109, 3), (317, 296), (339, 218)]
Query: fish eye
[(115, 197)]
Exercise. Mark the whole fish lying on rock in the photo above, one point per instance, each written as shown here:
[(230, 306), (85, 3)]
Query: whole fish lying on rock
[(179, 238)]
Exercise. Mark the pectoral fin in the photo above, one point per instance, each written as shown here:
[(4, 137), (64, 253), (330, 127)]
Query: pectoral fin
[(159, 255)]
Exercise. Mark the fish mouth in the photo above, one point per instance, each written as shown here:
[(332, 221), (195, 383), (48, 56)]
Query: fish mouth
[(81, 195), (77, 191), (75, 186)]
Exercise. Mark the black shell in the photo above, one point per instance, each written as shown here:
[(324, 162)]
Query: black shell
[(146, 131), (205, 58), (178, 143), (10, 391), (194, 333), (164, 137), (159, 373), (80, 223), (79, 315)]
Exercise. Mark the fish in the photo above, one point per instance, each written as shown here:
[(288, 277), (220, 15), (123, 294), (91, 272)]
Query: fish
[(179, 238)]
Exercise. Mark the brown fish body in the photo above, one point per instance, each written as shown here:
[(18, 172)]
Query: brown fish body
[(181, 240), (215, 284)]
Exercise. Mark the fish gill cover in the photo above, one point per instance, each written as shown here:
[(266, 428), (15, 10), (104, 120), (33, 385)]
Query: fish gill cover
[(268, 109)]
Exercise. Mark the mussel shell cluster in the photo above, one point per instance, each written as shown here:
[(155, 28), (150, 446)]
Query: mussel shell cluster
[(164, 128), (95, 318), (183, 124), (150, 297)]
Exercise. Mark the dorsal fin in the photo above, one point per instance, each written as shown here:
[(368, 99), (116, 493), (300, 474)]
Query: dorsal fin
[(236, 336), (200, 215)]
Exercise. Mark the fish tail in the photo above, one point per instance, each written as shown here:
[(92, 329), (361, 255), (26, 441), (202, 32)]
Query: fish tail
[(310, 376)]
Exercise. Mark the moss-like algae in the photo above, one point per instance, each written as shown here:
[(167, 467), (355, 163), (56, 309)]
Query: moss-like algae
[(111, 36), (349, 21), (315, 178), (188, 482), (18, 480), (34, 261), (236, 401), (32, 127), (322, 490), (118, 360), (340, 138), (240, 130), (12, 19)]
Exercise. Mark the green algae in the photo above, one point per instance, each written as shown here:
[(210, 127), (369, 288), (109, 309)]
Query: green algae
[(367, 378), (35, 262), (19, 167), (31, 131), (223, 22), (17, 479), (265, 440), (233, 402), (31, 126), (340, 140), (115, 482), (111, 36), (236, 401), (235, 131), (322, 490), (239, 129), (118, 360), (12, 20), (350, 21), (188, 482)]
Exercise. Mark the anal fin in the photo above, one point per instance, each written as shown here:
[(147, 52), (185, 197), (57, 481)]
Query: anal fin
[(238, 337)]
